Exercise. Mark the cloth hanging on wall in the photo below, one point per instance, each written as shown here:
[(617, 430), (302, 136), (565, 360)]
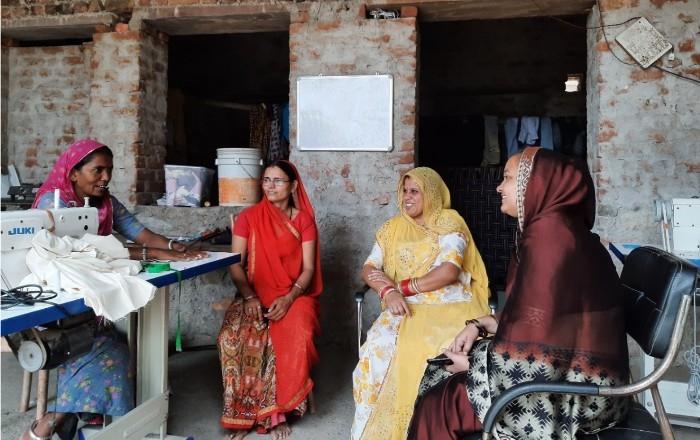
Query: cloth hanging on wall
[(259, 128), (278, 148)]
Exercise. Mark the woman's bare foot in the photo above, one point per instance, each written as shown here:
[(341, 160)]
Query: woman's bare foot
[(280, 431), (237, 435)]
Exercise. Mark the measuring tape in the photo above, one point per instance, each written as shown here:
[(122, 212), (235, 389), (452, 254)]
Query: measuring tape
[(164, 266), (156, 266)]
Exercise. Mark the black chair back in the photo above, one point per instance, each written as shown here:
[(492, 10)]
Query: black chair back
[(654, 282)]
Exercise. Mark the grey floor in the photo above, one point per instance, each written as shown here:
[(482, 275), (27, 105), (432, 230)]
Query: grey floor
[(195, 404)]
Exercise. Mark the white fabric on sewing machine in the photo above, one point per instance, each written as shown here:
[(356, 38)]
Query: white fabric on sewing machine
[(95, 267)]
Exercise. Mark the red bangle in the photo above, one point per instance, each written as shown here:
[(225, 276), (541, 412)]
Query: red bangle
[(404, 285), (384, 290)]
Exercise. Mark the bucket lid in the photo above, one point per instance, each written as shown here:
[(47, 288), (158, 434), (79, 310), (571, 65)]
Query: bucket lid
[(255, 151)]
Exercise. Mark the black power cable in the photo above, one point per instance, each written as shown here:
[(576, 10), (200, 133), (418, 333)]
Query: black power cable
[(29, 295)]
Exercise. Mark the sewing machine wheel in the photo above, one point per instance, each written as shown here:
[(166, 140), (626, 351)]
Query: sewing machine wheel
[(32, 355)]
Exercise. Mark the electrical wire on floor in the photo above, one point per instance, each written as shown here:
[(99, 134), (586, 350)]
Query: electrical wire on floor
[(692, 359), (29, 295)]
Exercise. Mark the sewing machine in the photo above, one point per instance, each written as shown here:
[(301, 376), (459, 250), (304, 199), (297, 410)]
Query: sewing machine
[(148, 337), (19, 228)]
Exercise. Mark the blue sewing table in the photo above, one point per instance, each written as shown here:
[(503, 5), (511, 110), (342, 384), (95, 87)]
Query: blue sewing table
[(150, 416)]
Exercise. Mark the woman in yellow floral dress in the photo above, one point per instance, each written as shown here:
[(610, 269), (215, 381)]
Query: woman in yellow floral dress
[(425, 267)]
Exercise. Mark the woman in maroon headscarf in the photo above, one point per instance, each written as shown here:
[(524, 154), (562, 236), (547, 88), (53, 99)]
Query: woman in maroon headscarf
[(98, 381), (563, 319)]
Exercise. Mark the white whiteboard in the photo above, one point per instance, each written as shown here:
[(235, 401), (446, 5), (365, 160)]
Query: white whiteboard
[(345, 112)]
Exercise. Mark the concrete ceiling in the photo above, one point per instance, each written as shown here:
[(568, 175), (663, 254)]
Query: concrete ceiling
[(454, 10), (242, 18), (57, 27)]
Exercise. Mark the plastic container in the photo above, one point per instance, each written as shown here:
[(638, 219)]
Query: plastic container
[(186, 185), (239, 176)]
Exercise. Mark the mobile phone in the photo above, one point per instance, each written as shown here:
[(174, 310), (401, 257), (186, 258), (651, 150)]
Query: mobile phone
[(440, 360)]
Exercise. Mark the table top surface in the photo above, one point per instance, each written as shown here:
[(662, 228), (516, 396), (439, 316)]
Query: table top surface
[(20, 317), (621, 250)]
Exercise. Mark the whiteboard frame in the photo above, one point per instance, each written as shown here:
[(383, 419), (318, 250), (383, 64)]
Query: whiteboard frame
[(390, 129)]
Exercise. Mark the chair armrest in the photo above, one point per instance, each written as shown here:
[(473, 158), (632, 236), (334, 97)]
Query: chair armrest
[(521, 389), (360, 294)]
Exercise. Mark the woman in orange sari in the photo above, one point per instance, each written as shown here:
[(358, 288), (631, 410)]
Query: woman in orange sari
[(266, 342)]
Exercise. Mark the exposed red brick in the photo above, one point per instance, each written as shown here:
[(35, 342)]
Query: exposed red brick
[(125, 35), (349, 186), (295, 28), (74, 60), (675, 63), (408, 145), (409, 11), (696, 58), (607, 123), (602, 46), (44, 73), (658, 137), (692, 167), (345, 172), (52, 50), (293, 58), (121, 27), (301, 16), (686, 18), (659, 3), (647, 75), (346, 69), (38, 10), (663, 91), (382, 200), (400, 52), (382, 39), (606, 135), (406, 158), (362, 11), (315, 55), (328, 25), (30, 157), (409, 119), (686, 45), (101, 29), (694, 71), (609, 5)]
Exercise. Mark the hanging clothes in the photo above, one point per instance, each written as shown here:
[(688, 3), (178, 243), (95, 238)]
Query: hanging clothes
[(529, 130), (546, 135), (510, 128)]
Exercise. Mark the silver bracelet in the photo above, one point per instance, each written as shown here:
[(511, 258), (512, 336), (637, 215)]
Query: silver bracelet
[(170, 244), (144, 253)]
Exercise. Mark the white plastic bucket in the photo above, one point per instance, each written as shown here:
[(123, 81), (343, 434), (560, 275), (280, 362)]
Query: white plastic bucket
[(239, 176)]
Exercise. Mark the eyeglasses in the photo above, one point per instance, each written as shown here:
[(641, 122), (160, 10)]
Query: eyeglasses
[(276, 181)]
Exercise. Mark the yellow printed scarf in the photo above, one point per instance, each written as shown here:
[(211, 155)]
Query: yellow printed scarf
[(409, 249)]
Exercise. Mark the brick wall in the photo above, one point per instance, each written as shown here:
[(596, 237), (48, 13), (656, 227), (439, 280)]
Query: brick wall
[(48, 100), (644, 125), (4, 94), (150, 148), (353, 192)]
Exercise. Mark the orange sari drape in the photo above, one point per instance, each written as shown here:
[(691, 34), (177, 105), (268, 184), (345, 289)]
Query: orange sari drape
[(275, 261)]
